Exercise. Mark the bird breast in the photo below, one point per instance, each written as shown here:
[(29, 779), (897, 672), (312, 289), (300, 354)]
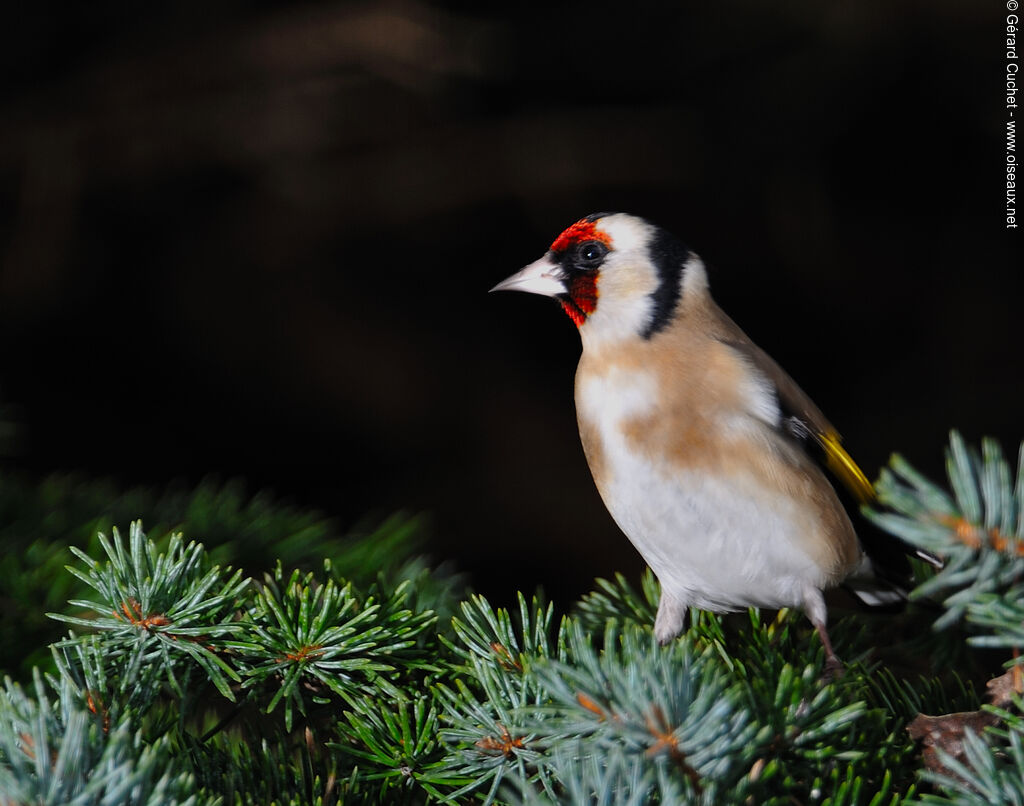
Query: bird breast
[(725, 516)]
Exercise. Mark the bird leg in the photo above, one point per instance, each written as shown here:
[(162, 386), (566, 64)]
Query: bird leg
[(669, 621), (833, 666), (814, 607)]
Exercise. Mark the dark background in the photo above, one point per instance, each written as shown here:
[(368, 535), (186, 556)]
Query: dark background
[(255, 240)]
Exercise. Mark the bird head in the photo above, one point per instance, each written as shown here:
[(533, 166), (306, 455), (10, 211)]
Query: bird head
[(617, 276)]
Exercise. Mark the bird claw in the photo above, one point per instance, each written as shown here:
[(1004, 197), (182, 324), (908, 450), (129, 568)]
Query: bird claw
[(834, 669)]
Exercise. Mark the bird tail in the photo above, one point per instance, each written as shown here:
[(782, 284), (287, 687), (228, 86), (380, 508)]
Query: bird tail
[(885, 577)]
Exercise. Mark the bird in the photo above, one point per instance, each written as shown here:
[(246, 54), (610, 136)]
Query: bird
[(708, 456)]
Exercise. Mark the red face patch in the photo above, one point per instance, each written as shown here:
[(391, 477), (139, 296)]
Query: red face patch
[(582, 230), (581, 300)]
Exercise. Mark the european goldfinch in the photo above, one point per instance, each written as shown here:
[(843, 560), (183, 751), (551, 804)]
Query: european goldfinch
[(703, 449)]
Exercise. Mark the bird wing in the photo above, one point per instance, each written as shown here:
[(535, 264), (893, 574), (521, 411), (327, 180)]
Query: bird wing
[(804, 422)]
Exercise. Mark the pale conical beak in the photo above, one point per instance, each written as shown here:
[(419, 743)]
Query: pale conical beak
[(540, 277)]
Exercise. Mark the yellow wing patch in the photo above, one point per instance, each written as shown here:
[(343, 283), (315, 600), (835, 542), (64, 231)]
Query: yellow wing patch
[(839, 462)]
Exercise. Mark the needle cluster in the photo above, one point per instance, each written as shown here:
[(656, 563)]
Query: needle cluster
[(378, 679)]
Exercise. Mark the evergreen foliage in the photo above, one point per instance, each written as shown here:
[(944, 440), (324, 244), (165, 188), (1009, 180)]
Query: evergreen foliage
[(40, 521), (373, 678)]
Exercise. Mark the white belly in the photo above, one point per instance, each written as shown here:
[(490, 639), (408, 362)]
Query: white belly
[(714, 542)]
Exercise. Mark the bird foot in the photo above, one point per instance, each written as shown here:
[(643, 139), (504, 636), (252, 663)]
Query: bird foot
[(834, 669)]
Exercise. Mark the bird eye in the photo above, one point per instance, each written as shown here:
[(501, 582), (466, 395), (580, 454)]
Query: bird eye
[(589, 254)]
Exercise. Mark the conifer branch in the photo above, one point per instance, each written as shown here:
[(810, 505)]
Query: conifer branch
[(187, 683)]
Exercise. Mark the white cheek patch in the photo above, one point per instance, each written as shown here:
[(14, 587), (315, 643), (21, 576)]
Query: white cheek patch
[(625, 282), (622, 312)]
